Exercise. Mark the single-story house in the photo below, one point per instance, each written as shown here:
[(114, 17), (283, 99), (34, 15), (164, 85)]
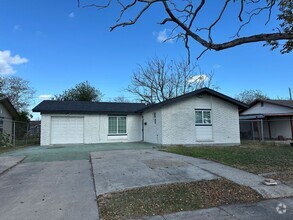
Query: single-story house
[(268, 119), (201, 117), (7, 114)]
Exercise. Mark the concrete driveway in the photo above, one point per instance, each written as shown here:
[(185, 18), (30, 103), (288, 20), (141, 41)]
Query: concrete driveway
[(51, 182), (119, 170), (48, 190), (60, 182)]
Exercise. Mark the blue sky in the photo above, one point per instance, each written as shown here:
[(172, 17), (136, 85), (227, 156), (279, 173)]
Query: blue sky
[(60, 45)]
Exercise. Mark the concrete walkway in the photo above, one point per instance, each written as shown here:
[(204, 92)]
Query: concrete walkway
[(268, 209), (8, 162), (239, 176), (119, 170)]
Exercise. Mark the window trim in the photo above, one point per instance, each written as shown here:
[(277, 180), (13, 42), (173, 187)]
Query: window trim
[(202, 113), (117, 125)]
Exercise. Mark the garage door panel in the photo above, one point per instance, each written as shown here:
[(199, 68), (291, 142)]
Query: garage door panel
[(67, 130)]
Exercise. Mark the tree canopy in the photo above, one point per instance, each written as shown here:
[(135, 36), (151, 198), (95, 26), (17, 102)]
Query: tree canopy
[(18, 91), (81, 92), (199, 20), (249, 95), (160, 79)]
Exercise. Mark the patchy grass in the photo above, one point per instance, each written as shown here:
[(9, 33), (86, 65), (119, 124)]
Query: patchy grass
[(163, 199), (255, 158)]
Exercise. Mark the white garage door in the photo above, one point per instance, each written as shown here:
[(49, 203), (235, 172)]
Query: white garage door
[(67, 130)]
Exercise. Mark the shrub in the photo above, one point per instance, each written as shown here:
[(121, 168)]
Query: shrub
[(5, 140)]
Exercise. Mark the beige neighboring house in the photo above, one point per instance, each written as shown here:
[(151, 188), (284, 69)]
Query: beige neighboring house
[(7, 114), (268, 120)]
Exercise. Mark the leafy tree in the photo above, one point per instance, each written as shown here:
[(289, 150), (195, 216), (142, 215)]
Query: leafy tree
[(24, 116), (248, 96), (18, 91), (186, 18), (159, 80), (81, 92)]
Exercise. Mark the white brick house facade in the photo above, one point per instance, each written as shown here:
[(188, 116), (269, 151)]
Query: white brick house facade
[(172, 122), (176, 123)]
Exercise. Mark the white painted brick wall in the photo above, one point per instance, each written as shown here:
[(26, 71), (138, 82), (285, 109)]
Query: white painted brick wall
[(179, 121), (45, 129), (96, 129), (226, 122)]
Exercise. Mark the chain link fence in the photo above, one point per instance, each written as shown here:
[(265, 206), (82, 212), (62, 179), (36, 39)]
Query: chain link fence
[(17, 133), (278, 129)]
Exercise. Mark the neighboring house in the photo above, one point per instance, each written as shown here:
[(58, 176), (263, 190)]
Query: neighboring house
[(268, 119), (202, 117), (7, 114)]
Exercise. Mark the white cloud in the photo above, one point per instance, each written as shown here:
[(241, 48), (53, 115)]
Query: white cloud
[(71, 15), (45, 96), (16, 27), (198, 78), (7, 62), (164, 35)]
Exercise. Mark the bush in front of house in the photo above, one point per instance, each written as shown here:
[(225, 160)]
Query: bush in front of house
[(4, 140)]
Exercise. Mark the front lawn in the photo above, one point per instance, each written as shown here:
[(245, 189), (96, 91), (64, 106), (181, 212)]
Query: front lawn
[(255, 158), (163, 199)]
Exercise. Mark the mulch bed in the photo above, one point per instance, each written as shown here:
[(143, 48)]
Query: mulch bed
[(163, 199)]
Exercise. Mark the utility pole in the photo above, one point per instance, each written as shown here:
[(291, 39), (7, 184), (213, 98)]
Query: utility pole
[(290, 94)]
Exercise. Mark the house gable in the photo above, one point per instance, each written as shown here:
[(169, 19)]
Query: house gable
[(176, 122), (266, 108), (7, 110), (198, 93)]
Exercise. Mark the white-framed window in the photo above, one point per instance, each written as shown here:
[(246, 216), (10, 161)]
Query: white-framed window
[(203, 117), (117, 125), (155, 117)]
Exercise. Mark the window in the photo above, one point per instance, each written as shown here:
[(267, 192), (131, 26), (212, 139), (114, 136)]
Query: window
[(155, 117), (117, 125), (203, 117)]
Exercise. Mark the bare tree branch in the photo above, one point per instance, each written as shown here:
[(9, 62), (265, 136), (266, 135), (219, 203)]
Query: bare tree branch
[(185, 16), (160, 80)]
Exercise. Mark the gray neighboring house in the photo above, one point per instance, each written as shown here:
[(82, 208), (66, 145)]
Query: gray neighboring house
[(202, 117), (268, 119), (7, 114)]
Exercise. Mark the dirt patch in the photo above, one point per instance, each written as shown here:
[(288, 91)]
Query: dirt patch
[(163, 199)]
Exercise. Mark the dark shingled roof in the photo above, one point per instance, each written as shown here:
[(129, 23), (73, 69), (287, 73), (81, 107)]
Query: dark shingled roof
[(83, 107), (284, 103)]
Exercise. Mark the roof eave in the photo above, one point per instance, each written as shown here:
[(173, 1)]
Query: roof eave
[(8, 105), (194, 93)]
